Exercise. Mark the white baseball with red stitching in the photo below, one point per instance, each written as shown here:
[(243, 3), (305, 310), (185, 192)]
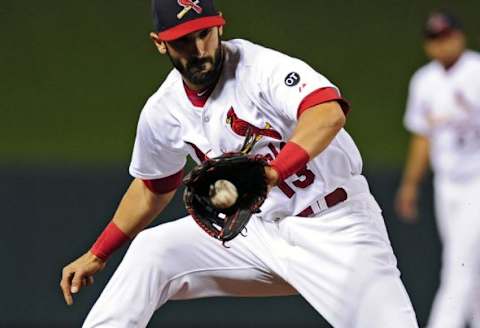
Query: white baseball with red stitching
[(223, 194)]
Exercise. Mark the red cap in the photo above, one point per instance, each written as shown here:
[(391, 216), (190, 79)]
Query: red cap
[(441, 23)]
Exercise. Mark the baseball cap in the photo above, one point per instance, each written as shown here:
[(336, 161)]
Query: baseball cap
[(173, 19), (440, 23)]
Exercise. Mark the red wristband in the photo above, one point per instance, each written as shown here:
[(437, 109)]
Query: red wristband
[(111, 239), (291, 159)]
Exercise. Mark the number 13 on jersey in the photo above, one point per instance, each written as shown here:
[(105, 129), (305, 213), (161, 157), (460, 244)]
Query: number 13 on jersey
[(305, 176)]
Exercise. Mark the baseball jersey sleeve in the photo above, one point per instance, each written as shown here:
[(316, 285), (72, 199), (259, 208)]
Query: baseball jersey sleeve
[(291, 86), (416, 119), (155, 154)]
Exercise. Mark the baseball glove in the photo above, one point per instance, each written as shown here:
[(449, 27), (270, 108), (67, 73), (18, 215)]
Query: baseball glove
[(246, 173)]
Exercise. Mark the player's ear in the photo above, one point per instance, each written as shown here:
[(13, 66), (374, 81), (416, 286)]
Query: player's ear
[(162, 48), (220, 28)]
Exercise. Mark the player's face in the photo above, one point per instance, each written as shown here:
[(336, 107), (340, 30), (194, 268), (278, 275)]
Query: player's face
[(197, 56), (446, 49)]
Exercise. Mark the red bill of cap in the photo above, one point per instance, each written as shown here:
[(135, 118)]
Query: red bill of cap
[(191, 26)]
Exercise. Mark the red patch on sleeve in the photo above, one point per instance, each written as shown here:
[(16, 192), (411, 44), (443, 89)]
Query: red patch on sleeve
[(321, 96), (165, 185)]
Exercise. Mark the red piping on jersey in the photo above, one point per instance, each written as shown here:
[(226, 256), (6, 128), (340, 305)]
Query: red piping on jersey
[(321, 96), (165, 185), (196, 99), (200, 155), (241, 127)]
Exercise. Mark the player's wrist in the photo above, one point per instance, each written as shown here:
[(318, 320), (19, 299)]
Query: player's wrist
[(94, 258), (291, 159), (272, 176), (111, 239)]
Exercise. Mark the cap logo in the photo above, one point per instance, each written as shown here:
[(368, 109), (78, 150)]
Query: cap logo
[(187, 6), (438, 23)]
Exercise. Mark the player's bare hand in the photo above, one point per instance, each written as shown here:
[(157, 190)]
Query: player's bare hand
[(272, 177), (406, 203), (79, 274)]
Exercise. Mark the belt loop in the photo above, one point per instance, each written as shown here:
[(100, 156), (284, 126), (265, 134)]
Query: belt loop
[(321, 204), (337, 196)]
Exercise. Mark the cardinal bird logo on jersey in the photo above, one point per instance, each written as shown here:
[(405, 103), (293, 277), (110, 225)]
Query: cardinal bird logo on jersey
[(187, 6), (251, 133)]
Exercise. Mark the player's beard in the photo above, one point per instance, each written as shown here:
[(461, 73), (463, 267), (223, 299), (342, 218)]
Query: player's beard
[(194, 70)]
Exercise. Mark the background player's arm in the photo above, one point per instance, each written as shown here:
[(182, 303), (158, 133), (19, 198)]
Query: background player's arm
[(415, 168), (316, 128), (137, 209)]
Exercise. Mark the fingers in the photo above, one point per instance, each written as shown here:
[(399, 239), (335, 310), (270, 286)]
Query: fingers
[(406, 208), (72, 282), (402, 200), (78, 274), (87, 281), (65, 286), (77, 281), (410, 213), (404, 211)]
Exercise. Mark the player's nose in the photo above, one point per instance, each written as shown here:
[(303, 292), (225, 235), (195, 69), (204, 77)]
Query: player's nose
[(199, 47)]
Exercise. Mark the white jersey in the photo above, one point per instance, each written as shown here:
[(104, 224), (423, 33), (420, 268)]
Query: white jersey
[(259, 87), (444, 105), (338, 258)]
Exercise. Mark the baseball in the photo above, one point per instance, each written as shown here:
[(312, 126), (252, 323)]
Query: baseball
[(223, 194)]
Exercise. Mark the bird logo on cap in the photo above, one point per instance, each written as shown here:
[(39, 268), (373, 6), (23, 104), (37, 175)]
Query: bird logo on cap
[(438, 23), (187, 6)]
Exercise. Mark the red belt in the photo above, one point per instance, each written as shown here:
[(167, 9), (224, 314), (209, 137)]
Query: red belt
[(332, 199)]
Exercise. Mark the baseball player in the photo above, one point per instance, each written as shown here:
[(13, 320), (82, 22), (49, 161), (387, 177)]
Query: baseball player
[(319, 233), (443, 115)]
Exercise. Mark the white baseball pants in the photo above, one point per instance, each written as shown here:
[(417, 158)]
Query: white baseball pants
[(457, 301), (340, 261)]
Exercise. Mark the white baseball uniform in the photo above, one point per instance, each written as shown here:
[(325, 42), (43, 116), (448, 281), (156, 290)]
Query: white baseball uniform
[(444, 105), (335, 254)]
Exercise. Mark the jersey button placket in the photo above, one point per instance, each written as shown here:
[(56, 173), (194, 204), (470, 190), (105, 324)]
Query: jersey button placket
[(205, 115)]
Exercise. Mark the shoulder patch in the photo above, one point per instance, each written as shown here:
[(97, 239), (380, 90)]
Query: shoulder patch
[(292, 79)]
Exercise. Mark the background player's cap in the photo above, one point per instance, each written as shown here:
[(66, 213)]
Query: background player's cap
[(440, 23), (173, 19)]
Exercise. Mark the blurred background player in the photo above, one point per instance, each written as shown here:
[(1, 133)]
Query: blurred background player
[(443, 115)]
